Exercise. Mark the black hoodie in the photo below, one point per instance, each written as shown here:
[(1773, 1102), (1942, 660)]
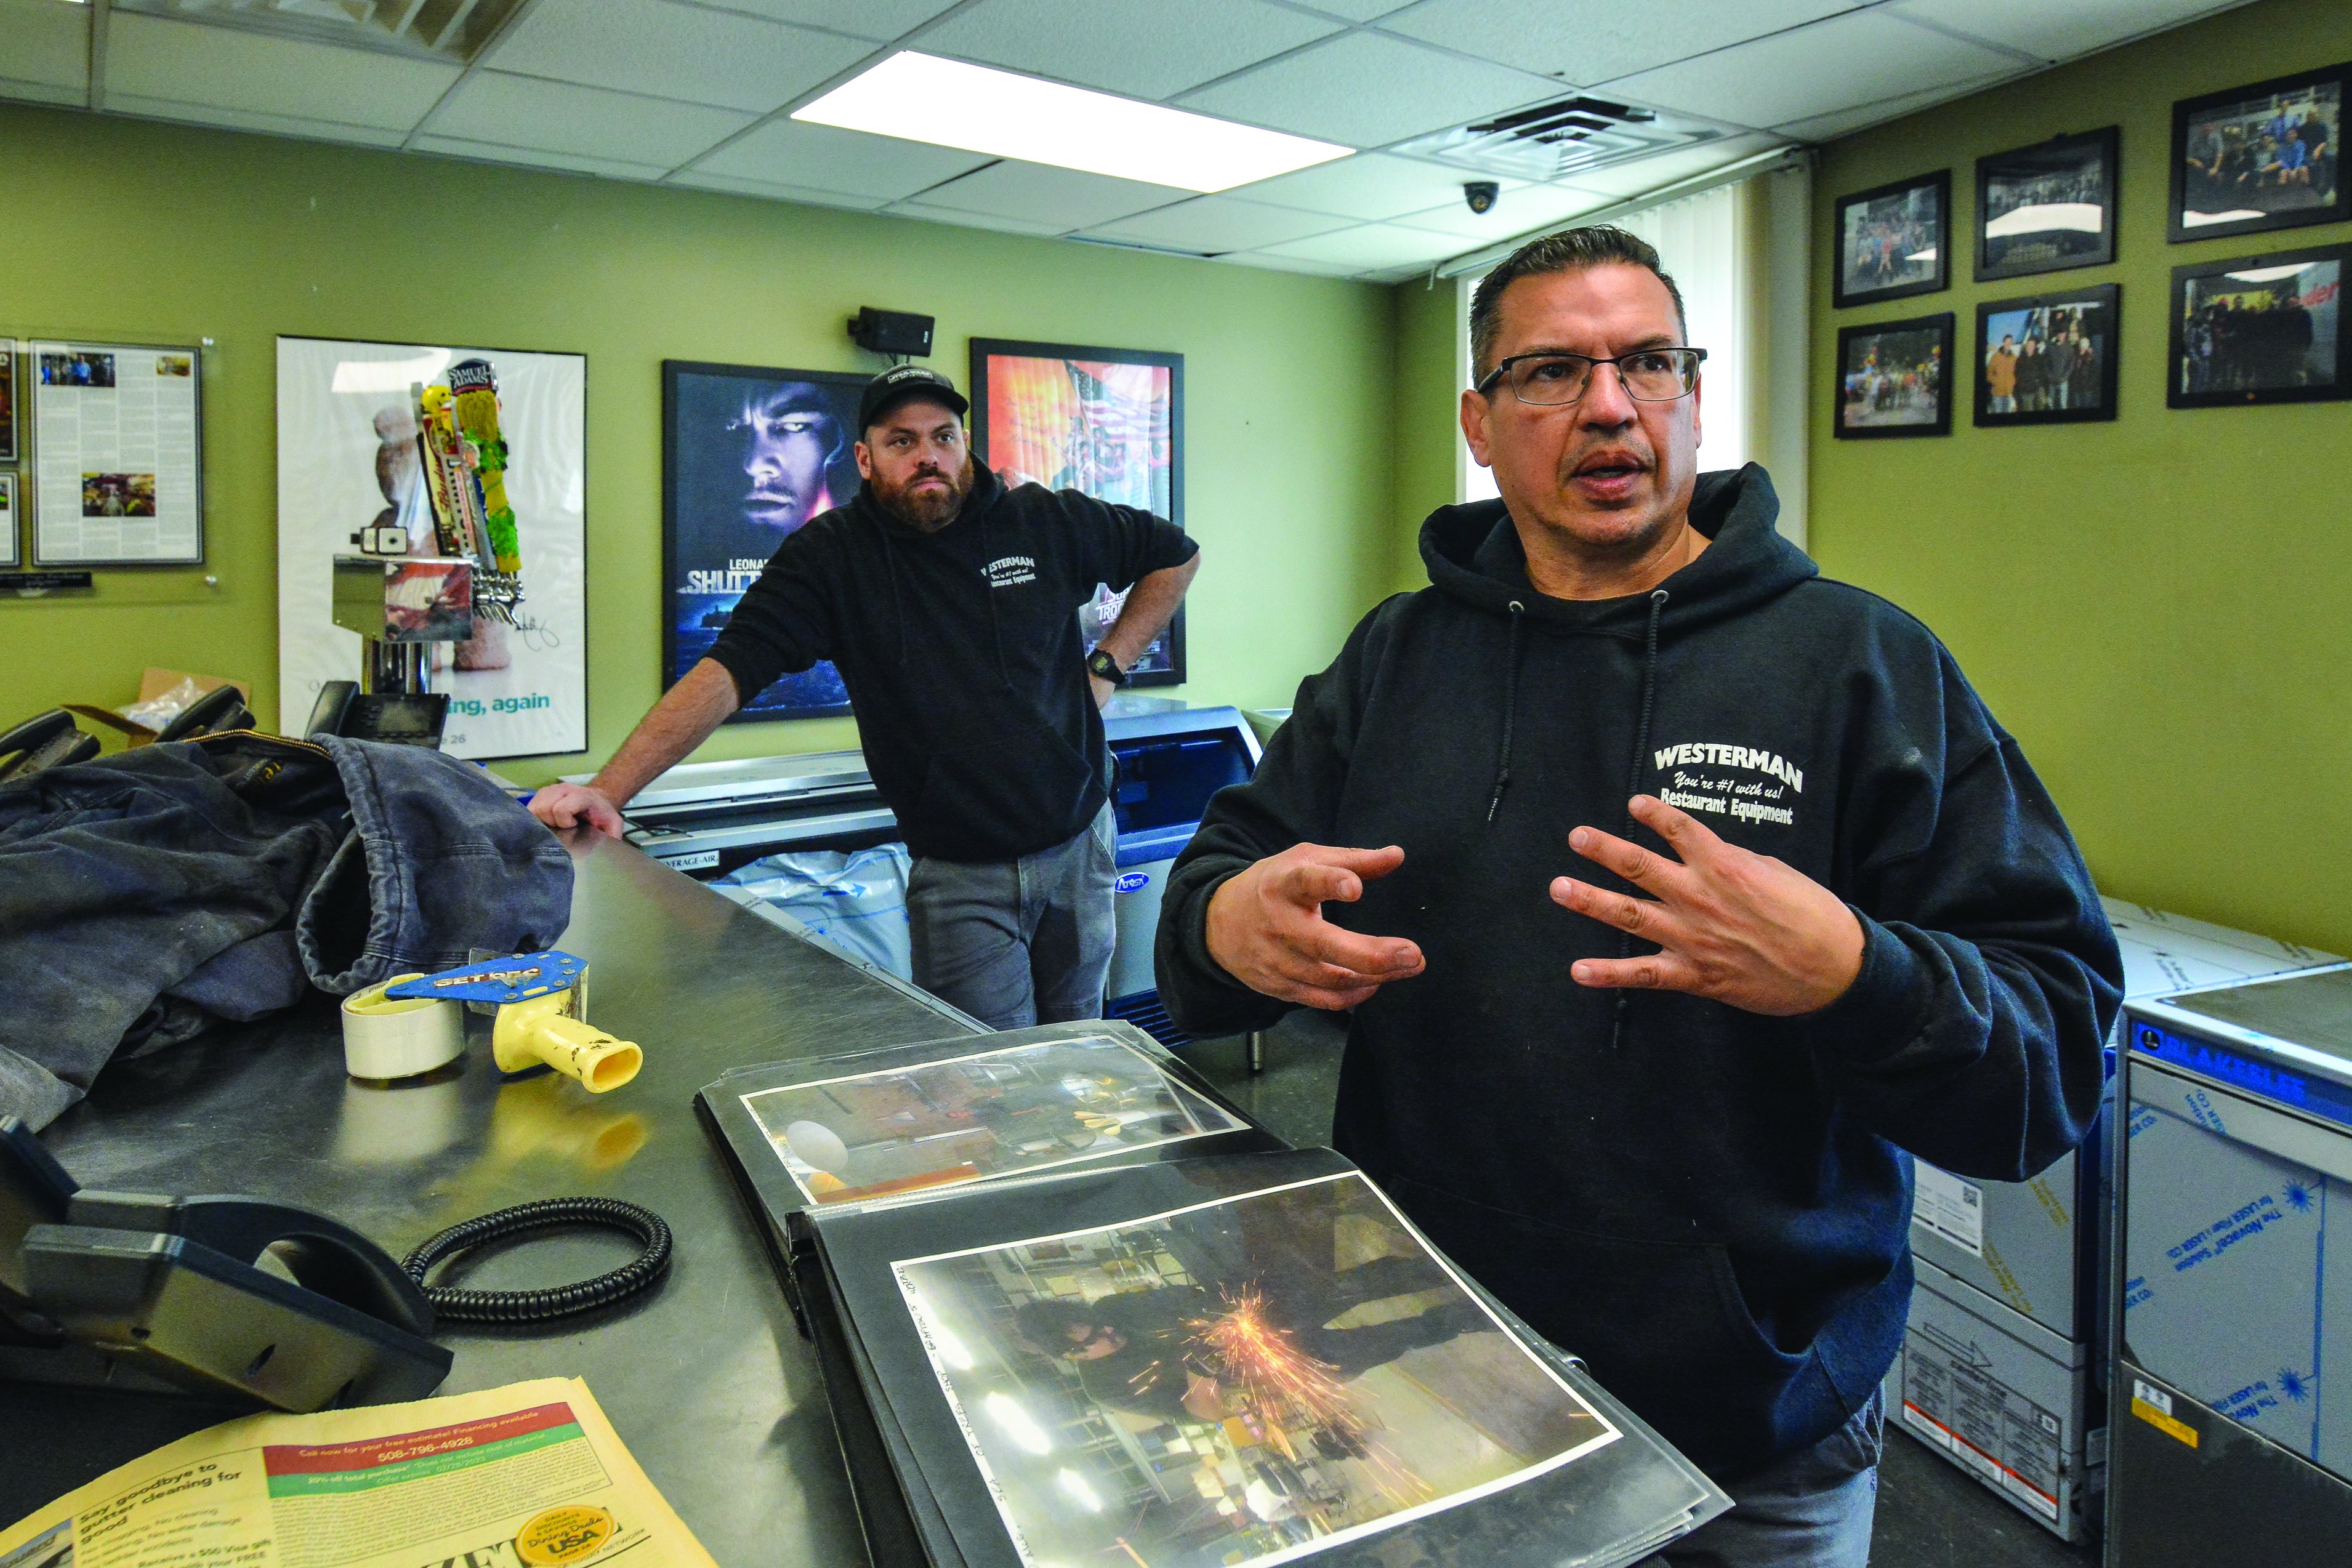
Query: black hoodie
[(961, 650), (1709, 1205)]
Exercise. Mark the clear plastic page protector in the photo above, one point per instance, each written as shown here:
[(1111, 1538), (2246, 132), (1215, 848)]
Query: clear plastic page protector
[(913, 1123), (1232, 1360)]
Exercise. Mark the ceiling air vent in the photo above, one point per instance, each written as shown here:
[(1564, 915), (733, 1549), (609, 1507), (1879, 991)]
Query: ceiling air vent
[(1554, 141), (453, 30)]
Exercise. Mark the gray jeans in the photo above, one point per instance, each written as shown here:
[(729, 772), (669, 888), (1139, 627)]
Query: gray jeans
[(1810, 1509), (1016, 943)]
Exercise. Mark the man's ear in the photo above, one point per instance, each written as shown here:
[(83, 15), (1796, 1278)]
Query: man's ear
[(865, 456), (1475, 409)]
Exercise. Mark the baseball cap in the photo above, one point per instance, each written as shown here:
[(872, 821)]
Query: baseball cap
[(902, 381)]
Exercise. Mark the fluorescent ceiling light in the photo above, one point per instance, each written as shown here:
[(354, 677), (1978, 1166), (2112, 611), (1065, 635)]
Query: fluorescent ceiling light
[(2190, 220), (922, 97), (2271, 273)]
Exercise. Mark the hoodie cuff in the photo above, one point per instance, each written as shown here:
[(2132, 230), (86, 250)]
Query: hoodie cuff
[(1883, 1009)]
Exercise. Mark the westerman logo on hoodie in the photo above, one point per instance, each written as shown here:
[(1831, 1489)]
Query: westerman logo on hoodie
[(1768, 799)]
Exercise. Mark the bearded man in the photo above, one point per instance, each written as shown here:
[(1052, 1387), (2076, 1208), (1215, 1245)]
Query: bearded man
[(949, 602)]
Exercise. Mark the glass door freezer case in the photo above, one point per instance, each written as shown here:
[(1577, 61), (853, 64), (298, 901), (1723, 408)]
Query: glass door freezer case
[(2232, 1402)]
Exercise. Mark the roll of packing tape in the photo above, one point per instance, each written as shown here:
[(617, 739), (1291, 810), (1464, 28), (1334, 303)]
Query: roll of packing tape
[(400, 1037)]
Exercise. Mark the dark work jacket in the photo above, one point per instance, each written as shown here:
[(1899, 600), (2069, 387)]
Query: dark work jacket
[(149, 895), (1711, 1206), (962, 654)]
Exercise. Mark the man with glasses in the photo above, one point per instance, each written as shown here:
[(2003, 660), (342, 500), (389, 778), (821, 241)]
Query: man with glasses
[(1822, 916), (948, 601)]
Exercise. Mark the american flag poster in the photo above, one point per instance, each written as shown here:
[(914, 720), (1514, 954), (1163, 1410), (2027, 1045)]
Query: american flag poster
[(1108, 422)]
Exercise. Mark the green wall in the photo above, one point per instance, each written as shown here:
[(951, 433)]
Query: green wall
[(1428, 418), (2155, 607), (117, 229)]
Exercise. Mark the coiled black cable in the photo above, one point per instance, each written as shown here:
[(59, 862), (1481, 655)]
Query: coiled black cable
[(561, 1300)]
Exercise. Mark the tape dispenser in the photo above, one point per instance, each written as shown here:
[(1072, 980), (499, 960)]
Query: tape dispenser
[(414, 1023)]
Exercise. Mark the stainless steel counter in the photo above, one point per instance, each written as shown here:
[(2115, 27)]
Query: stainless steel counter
[(707, 1380)]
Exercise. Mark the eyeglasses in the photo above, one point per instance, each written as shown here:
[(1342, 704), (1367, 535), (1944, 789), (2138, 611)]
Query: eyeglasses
[(1648, 375)]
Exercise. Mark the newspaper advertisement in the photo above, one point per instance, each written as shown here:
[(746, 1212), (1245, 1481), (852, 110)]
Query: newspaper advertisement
[(528, 1476)]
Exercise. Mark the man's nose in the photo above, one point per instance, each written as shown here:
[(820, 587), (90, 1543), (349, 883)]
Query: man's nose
[(1605, 402)]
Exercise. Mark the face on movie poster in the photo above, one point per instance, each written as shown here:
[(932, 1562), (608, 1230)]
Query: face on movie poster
[(347, 459), (749, 455)]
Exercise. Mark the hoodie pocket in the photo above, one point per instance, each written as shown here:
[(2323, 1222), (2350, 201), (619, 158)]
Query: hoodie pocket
[(1662, 1324), (1007, 798)]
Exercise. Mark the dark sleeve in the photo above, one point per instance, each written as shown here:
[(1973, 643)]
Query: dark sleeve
[(1123, 545), (1976, 1033), (783, 622), (1294, 798)]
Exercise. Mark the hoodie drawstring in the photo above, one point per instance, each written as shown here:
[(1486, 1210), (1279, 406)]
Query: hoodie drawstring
[(1632, 782), (1510, 713)]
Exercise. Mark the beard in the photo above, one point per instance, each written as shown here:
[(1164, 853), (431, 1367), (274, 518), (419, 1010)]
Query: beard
[(928, 509)]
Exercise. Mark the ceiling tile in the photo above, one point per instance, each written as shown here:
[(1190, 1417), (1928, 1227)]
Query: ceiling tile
[(704, 180), (555, 117), (1367, 90), (2058, 32), (1212, 225), (248, 120), (1259, 259), (1846, 121), (1059, 199), (1829, 65), (1593, 40), (1354, 10), (1152, 50), (44, 50), (794, 152), (1642, 175), (682, 52), (148, 56), (970, 220), (1369, 185), (570, 162), (866, 18), (1368, 247), (1521, 212)]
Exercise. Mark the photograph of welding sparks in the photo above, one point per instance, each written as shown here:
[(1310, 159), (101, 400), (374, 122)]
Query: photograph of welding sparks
[(1001, 1113), (1244, 1382)]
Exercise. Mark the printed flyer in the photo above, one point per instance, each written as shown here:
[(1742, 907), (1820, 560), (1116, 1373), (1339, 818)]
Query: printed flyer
[(528, 1476)]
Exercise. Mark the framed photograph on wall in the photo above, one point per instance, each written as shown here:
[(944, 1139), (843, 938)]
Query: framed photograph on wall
[(1108, 422), (1895, 241), (2259, 329), (350, 456), (10, 550), (1894, 379), (2048, 359), (7, 401), (2047, 208), (750, 453), (2264, 156), (118, 436)]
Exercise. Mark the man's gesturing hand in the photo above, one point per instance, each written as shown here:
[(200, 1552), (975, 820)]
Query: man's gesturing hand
[(1267, 927), (1732, 924), (568, 805)]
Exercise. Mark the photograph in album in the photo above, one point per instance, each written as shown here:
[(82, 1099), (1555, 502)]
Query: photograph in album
[(1009, 1112), (1248, 1380)]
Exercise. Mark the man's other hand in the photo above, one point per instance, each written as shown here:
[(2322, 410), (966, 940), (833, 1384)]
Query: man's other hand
[(569, 805), (1731, 925), (1267, 927), (1103, 689)]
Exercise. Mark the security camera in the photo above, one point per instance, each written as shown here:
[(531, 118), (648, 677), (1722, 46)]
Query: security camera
[(1481, 195)]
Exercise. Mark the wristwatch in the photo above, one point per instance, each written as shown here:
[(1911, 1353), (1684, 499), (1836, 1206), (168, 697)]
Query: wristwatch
[(1102, 666)]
